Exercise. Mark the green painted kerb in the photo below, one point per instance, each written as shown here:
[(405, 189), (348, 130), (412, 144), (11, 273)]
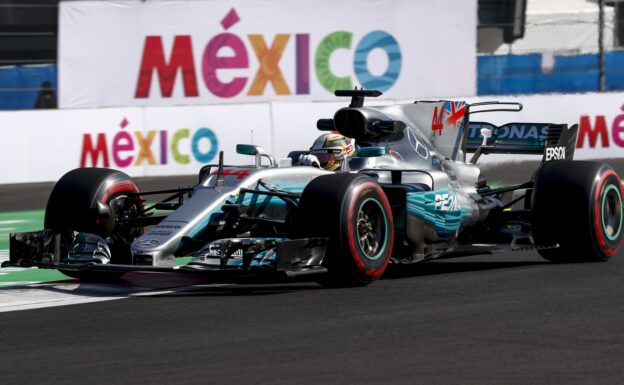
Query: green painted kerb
[(31, 275), (17, 222)]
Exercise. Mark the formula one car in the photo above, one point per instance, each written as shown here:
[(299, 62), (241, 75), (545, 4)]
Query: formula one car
[(408, 195)]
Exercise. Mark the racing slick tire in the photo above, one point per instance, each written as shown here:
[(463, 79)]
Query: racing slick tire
[(72, 206), (353, 212), (578, 205)]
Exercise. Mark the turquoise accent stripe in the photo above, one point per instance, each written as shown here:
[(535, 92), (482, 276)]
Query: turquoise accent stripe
[(446, 215), (257, 204)]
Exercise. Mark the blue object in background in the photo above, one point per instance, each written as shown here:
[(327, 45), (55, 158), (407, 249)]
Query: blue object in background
[(496, 75), (615, 70), (19, 85), (523, 74)]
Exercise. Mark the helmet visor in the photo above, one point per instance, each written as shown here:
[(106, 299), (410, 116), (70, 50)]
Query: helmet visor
[(325, 157)]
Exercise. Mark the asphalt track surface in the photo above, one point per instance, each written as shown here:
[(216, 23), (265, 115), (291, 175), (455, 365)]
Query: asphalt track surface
[(500, 319)]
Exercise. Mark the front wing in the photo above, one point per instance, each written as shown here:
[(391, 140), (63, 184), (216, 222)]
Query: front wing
[(231, 258)]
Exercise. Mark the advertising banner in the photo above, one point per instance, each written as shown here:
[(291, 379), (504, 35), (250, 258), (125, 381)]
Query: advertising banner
[(43, 145), (186, 138), (175, 52)]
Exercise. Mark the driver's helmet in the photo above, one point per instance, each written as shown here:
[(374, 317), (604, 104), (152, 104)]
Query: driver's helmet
[(330, 149)]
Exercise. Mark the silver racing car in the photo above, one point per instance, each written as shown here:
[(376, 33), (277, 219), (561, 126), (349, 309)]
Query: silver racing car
[(410, 193)]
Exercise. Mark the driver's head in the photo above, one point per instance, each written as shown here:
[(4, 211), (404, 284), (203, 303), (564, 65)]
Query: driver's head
[(331, 148)]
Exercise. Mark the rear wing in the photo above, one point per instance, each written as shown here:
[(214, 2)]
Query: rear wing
[(524, 138), (553, 141)]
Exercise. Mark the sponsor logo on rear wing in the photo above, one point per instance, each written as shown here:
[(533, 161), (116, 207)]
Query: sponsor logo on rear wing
[(554, 141), (529, 134)]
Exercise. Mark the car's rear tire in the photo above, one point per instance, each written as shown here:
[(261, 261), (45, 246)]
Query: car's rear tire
[(353, 212), (72, 206), (578, 205)]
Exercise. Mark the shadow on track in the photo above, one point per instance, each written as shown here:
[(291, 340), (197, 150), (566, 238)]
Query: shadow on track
[(438, 267), (190, 285), (393, 272), (236, 290)]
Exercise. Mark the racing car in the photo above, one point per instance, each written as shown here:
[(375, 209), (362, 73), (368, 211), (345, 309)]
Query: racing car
[(409, 194)]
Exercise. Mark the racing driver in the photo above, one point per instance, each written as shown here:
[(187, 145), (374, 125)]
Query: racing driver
[(329, 151)]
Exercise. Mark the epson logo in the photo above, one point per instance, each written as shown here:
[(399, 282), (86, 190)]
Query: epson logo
[(555, 153)]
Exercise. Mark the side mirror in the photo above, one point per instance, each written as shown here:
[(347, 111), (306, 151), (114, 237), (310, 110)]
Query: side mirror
[(249, 149), (257, 151), (371, 152)]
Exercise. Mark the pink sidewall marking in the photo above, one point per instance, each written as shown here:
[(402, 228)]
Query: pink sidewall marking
[(599, 231), (351, 231), (117, 187)]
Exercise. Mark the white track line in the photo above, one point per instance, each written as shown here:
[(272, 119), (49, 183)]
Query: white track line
[(12, 222), (27, 295)]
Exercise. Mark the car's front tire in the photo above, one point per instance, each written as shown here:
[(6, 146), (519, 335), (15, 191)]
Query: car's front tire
[(72, 206), (353, 212)]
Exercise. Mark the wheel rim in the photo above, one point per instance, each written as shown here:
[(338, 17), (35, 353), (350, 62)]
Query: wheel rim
[(125, 208), (371, 229), (612, 212)]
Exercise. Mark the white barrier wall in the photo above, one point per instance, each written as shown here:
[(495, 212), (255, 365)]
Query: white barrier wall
[(37, 146), (175, 52)]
